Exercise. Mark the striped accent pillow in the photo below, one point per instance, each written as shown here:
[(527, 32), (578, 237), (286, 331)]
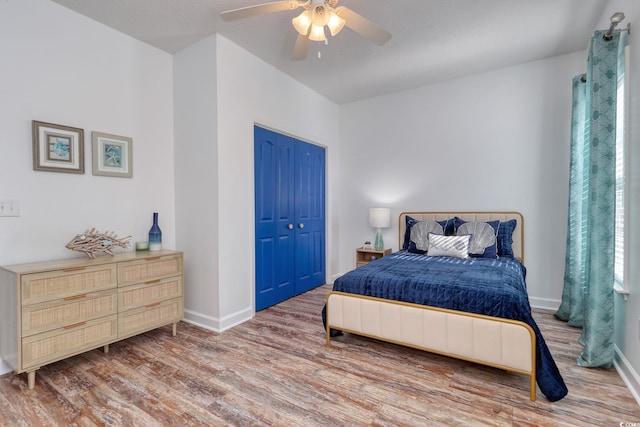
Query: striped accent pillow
[(453, 246)]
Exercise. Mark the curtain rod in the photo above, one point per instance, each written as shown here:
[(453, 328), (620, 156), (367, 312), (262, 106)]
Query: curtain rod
[(616, 18)]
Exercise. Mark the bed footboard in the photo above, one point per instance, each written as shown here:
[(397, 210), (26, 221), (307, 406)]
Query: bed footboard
[(491, 341)]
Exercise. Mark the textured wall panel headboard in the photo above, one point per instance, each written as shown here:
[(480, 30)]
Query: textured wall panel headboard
[(518, 233)]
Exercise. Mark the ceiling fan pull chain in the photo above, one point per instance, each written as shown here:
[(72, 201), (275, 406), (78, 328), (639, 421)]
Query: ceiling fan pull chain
[(326, 43)]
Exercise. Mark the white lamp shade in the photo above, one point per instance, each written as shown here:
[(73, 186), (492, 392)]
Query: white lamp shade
[(379, 217), (317, 33), (302, 22), (335, 23)]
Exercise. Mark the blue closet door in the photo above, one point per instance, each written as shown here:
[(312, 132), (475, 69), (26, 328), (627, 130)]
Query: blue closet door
[(289, 216), (274, 158), (309, 215)]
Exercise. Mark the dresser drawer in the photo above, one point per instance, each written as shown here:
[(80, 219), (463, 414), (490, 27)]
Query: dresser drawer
[(56, 309), (47, 286), (149, 317), (48, 347), (132, 272), (58, 313), (135, 296)]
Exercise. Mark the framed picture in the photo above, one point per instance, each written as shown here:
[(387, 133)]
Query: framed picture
[(57, 148), (112, 155)]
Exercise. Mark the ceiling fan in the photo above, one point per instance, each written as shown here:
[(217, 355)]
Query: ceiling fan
[(311, 23)]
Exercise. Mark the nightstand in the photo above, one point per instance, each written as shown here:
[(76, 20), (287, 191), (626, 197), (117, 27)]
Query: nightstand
[(365, 256)]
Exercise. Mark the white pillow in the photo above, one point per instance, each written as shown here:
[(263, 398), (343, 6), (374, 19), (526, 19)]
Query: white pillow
[(454, 246)]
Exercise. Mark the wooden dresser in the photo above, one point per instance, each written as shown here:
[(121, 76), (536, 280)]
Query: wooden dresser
[(56, 309)]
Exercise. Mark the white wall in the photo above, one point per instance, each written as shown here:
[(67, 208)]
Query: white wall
[(60, 67), (196, 160), (493, 141), (251, 91), (248, 91)]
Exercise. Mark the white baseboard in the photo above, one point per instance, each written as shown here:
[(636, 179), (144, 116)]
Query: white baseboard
[(627, 373), (202, 320), (4, 368), (544, 303), (218, 324)]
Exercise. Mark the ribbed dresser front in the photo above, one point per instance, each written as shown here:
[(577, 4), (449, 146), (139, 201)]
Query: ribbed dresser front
[(149, 294), (67, 311), (57, 309)]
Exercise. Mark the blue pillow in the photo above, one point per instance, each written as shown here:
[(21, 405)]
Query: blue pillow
[(484, 242), (505, 238), (409, 245)]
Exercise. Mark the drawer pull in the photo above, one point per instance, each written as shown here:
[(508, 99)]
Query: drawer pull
[(155, 258), (152, 281), (153, 304), (75, 325), (74, 297), (73, 269)]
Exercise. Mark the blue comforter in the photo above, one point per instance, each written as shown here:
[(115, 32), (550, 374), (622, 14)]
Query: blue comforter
[(489, 286)]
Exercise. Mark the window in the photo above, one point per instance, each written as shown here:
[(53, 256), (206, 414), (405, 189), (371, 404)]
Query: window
[(621, 149)]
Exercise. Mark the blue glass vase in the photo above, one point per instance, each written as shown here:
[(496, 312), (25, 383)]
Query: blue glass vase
[(155, 235)]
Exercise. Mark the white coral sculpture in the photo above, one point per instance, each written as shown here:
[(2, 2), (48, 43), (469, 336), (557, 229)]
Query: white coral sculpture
[(92, 242)]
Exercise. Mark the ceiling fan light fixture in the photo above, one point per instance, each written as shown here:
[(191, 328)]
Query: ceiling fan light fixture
[(317, 33), (302, 22), (335, 23), (320, 15), (311, 23)]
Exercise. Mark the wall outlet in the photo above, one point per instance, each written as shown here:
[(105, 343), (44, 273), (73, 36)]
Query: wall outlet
[(9, 207)]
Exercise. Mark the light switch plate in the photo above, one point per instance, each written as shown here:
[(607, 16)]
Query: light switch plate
[(9, 208)]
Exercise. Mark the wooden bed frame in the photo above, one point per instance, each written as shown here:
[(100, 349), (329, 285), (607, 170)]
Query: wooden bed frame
[(490, 341)]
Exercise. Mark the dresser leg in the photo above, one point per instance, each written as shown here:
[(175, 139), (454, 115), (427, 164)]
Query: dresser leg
[(106, 349), (175, 331), (31, 380)]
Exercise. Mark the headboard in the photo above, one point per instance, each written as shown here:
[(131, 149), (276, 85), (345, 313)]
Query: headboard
[(518, 233)]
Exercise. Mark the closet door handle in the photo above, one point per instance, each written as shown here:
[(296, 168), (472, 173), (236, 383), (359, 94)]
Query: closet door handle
[(301, 225), (290, 226)]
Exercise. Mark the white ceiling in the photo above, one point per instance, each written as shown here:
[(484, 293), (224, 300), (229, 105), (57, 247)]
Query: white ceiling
[(433, 40)]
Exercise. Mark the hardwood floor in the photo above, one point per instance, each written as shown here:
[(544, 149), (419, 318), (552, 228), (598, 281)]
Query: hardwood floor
[(277, 370)]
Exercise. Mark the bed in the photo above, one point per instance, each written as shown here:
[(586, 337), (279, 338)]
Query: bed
[(475, 308)]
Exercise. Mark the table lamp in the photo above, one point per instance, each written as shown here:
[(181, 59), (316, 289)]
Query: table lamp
[(379, 218)]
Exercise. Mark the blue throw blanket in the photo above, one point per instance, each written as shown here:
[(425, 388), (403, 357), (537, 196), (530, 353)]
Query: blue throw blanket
[(490, 286)]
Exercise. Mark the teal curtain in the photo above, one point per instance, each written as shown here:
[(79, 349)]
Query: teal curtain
[(587, 297), (575, 272)]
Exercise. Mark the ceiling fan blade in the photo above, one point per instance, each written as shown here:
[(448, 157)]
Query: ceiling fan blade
[(260, 9), (363, 26), (301, 48)]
